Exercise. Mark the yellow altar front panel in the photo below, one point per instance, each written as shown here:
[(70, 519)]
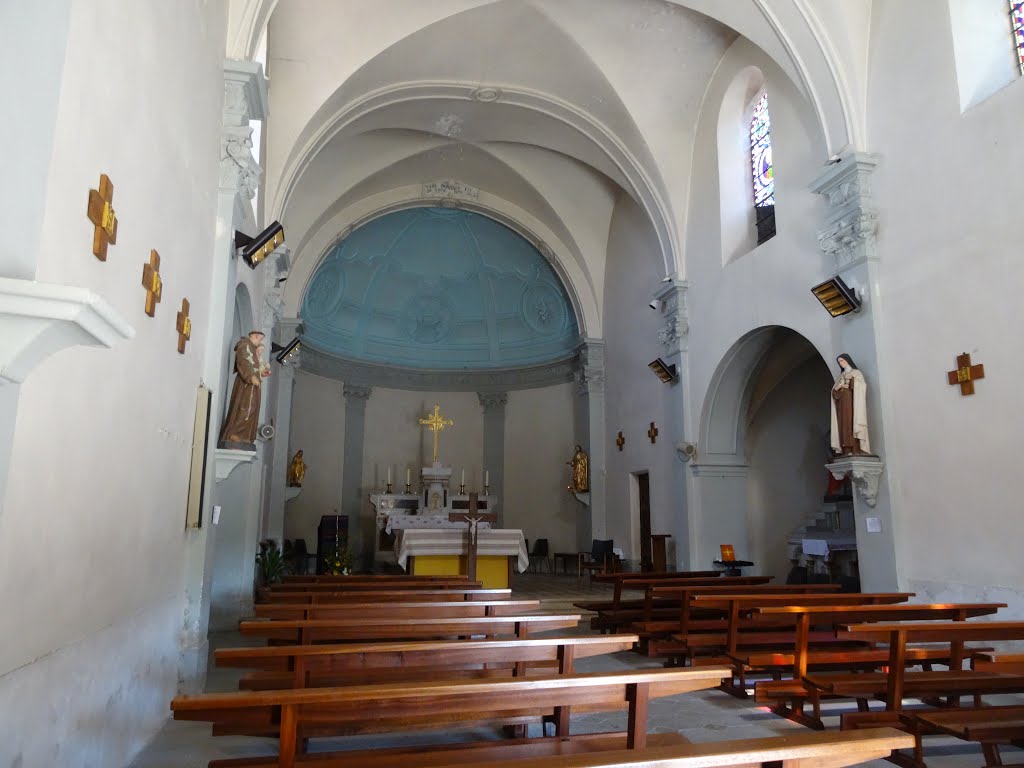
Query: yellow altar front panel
[(492, 570)]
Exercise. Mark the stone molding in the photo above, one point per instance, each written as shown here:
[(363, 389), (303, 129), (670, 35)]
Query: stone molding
[(852, 220), (40, 319), (489, 380), (357, 393), (674, 333), (710, 469), (245, 99), (864, 471), (228, 459), (493, 401), (590, 374)]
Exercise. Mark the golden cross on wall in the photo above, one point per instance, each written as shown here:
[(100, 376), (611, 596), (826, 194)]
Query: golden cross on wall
[(620, 441), (653, 433), (101, 214), (152, 282), (435, 423), (183, 326), (966, 374)]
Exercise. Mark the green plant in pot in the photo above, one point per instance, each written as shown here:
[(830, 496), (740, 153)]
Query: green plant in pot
[(271, 563)]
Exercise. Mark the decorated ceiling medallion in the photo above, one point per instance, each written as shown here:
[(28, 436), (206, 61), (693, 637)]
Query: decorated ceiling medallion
[(487, 94), (543, 308), (101, 213)]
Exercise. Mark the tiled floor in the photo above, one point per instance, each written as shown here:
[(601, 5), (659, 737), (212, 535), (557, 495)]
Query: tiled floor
[(700, 716)]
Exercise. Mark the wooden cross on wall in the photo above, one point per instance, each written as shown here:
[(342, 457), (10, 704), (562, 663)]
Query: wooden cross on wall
[(152, 282), (183, 326), (653, 433), (620, 441), (966, 374), (101, 214)]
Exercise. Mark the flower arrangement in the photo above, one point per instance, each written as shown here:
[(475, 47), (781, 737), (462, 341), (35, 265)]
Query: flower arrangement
[(337, 560)]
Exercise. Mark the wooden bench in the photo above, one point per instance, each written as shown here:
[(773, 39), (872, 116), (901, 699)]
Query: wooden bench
[(305, 631), (787, 696), (356, 578), (349, 586), (308, 666), (742, 627), (664, 750), (294, 715), (398, 595), (392, 609), (641, 584), (935, 687)]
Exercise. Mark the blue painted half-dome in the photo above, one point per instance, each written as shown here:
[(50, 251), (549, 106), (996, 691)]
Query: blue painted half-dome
[(439, 289)]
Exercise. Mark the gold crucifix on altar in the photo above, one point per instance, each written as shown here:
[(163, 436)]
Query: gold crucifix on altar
[(435, 423)]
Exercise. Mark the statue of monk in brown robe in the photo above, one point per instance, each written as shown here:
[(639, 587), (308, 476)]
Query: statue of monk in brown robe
[(239, 430)]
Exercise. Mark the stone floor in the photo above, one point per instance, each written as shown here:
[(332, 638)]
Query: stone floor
[(700, 716)]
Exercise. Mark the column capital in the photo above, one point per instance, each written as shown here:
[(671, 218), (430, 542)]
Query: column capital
[(851, 219), (357, 393), (492, 401), (669, 298), (245, 99), (590, 370)]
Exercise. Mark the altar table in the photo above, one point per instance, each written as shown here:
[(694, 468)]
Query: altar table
[(442, 551)]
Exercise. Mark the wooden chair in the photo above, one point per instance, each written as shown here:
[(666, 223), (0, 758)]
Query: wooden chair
[(602, 559), (539, 554)]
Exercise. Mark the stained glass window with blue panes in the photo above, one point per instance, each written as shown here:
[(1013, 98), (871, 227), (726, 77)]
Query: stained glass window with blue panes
[(761, 154), (1017, 23)]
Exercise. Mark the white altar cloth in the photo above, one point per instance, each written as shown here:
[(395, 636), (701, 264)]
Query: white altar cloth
[(402, 522), (441, 541)]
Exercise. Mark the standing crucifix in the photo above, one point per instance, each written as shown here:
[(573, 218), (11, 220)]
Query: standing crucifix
[(435, 423)]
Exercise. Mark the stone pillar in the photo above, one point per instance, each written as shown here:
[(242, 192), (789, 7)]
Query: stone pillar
[(674, 337), (493, 404), (361, 527), (848, 241), (591, 433), (245, 99)]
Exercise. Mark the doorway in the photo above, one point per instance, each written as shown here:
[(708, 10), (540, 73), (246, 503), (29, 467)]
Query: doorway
[(643, 505)]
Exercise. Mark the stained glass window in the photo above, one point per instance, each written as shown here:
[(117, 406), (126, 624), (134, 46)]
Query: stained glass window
[(1017, 23), (761, 154)]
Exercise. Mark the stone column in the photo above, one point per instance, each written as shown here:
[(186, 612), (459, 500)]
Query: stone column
[(848, 241), (245, 99), (493, 404), (591, 433), (360, 526)]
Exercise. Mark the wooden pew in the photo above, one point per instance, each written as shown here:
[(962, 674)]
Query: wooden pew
[(614, 578), (397, 610), (355, 578), (398, 595), (307, 666), (642, 584), (667, 609), (349, 586), (801, 657), (293, 715), (731, 623), (303, 632), (997, 725)]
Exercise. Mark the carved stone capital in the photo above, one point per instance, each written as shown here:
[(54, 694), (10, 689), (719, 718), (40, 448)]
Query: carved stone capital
[(590, 373), (357, 393), (493, 401), (239, 171), (245, 92), (675, 331), (864, 471), (589, 380), (851, 219)]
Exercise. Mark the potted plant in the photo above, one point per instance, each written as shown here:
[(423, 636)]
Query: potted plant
[(270, 565)]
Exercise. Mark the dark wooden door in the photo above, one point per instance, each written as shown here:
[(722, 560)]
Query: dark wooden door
[(643, 485)]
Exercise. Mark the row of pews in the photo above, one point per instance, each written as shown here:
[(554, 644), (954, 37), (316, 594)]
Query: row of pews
[(374, 654), (793, 646)]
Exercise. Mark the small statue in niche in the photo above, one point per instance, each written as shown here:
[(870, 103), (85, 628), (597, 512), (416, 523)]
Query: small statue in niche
[(849, 410), (296, 470), (580, 471), (239, 430)]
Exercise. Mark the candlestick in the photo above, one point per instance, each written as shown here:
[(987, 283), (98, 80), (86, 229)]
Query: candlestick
[(389, 474), (462, 489), (487, 478), (408, 476), (463, 476), (388, 490)]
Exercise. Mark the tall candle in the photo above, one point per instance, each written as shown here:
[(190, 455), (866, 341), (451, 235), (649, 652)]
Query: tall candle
[(389, 474), (463, 475), (408, 476), (487, 477)]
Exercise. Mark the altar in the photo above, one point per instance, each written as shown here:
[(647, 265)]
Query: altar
[(444, 552)]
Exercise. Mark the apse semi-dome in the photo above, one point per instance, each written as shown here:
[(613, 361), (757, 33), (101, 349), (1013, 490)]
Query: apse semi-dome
[(441, 289)]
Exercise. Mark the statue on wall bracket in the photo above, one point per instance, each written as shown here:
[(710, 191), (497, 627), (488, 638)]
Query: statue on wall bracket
[(580, 464), (241, 420)]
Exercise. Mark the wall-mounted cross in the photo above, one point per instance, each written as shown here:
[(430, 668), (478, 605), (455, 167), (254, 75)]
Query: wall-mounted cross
[(653, 433), (101, 214), (620, 441), (966, 374), (152, 282), (183, 326)]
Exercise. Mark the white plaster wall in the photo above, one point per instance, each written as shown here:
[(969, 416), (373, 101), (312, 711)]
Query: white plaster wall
[(318, 430), (787, 446), (538, 442), (231, 589), (91, 533), (949, 252), (634, 396)]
